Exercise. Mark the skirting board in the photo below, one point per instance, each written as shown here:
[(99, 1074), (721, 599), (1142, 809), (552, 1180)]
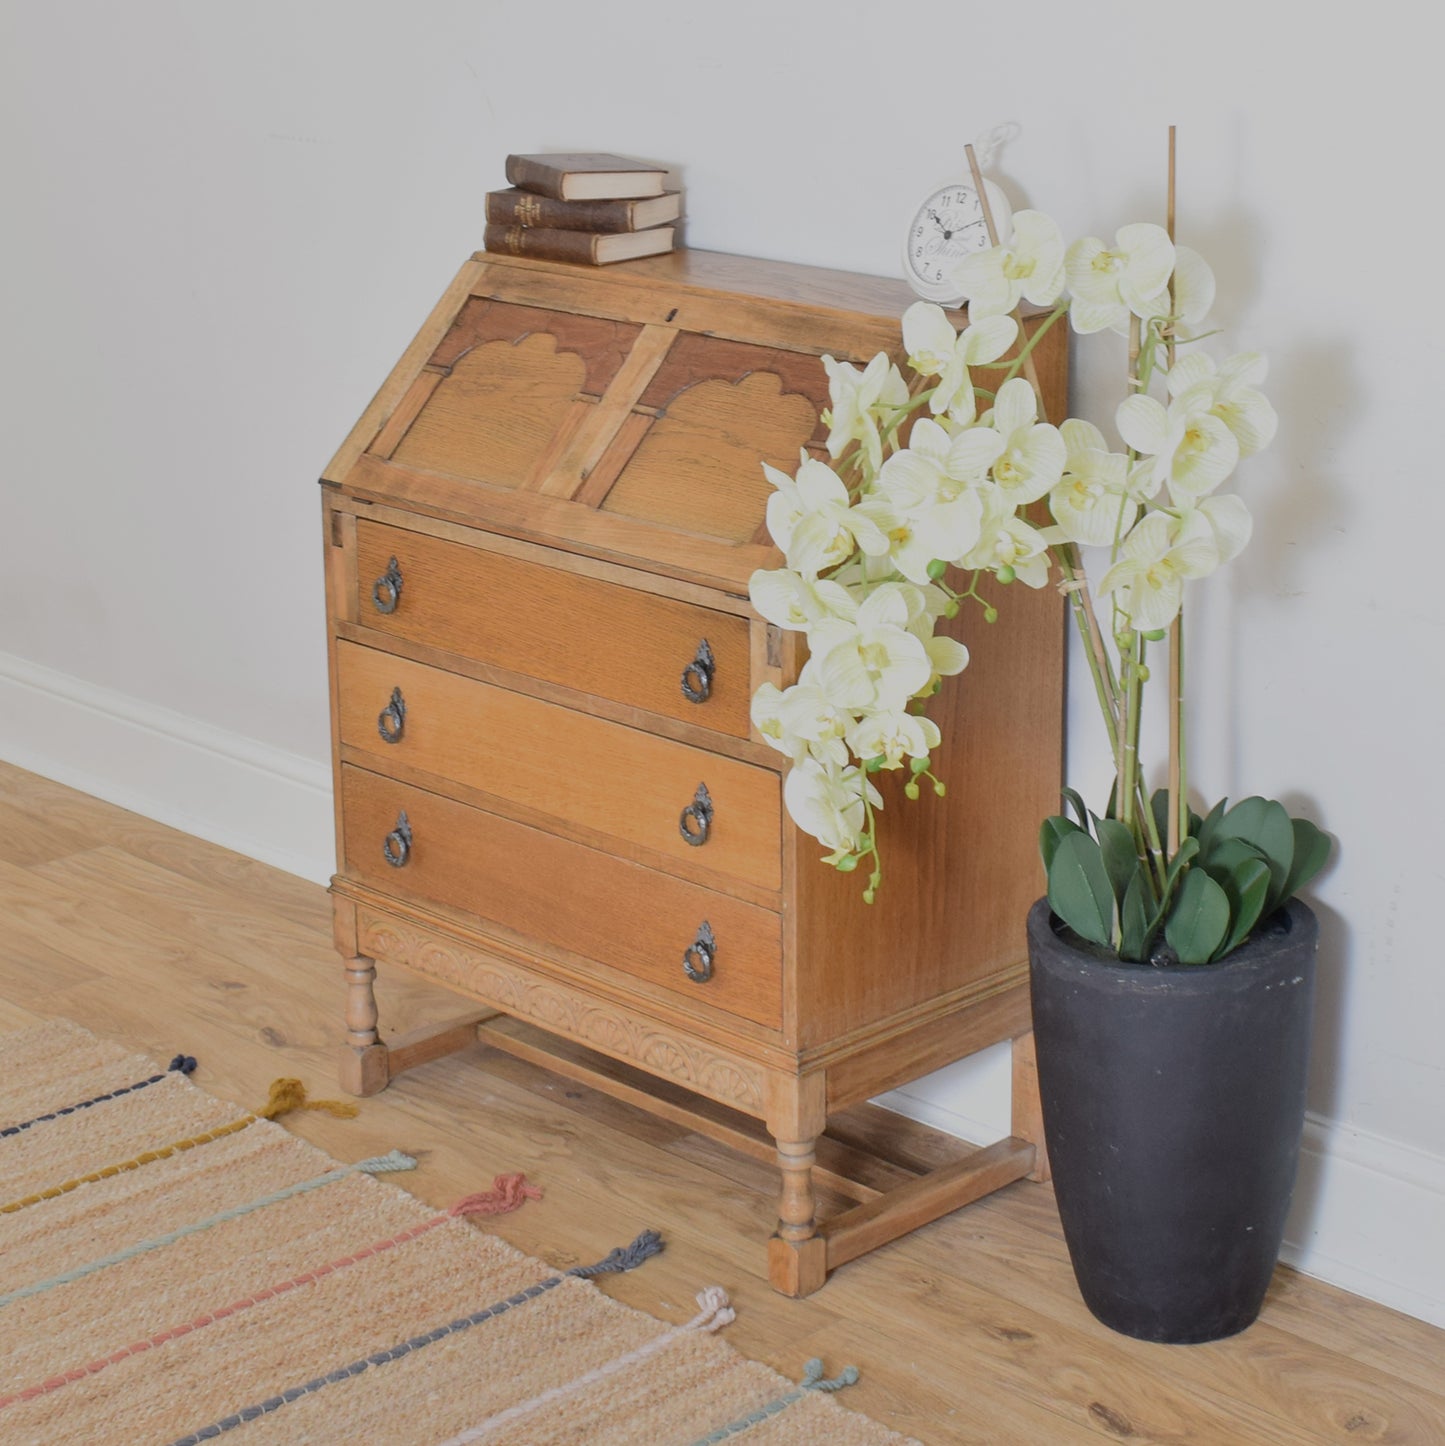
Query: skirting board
[(1367, 1209), (207, 781)]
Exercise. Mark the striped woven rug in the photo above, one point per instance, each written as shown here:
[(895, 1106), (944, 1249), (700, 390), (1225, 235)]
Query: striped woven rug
[(174, 1269)]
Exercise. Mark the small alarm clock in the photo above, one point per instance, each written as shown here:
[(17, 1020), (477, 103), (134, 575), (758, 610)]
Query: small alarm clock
[(947, 226)]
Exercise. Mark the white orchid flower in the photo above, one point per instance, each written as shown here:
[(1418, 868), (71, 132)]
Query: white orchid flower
[(1032, 457), (1191, 449), (1030, 267), (808, 714), (873, 662), (894, 736), (1008, 544), (1092, 503), (935, 349), (1157, 557), (926, 513), (1230, 522), (1192, 287), (828, 803), (946, 656), (811, 518), (1231, 388), (766, 715), (793, 602), (856, 398), (1110, 283)]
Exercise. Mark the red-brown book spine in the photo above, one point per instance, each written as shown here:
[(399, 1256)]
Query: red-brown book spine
[(545, 244), (548, 175)]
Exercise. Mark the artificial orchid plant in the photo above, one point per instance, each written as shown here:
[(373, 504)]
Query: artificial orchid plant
[(896, 534)]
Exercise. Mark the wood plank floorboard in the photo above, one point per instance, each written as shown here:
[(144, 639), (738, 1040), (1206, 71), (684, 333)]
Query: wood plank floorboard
[(968, 1330)]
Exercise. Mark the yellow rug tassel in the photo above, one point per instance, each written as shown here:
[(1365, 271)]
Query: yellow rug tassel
[(290, 1094)]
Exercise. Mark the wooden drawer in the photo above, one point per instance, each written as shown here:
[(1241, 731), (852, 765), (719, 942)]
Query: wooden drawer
[(563, 894), (600, 638), (622, 783)]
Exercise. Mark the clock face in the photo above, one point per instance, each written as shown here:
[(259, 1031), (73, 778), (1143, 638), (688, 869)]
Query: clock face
[(948, 226)]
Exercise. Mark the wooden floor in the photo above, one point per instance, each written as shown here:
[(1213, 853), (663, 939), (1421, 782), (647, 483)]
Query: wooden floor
[(969, 1330)]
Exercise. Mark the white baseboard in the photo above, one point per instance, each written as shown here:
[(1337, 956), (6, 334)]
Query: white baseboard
[(1367, 1211), (210, 782)]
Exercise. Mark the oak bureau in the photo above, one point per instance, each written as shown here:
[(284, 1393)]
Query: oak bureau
[(548, 794)]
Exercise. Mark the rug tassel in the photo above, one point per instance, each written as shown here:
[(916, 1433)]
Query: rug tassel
[(185, 1063), (290, 1094), (716, 1310), (813, 1377), (648, 1244), (508, 1193), (385, 1164)]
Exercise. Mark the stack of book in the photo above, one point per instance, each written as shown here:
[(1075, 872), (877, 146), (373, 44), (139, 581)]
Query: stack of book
[(586, 207)]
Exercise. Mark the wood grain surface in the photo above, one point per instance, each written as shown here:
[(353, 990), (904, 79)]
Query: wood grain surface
[(967, 1331)]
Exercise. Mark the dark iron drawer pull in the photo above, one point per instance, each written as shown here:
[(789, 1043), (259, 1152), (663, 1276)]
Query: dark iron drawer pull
[(391, 721), (386, 590), (696, 820), (697, 676), (698, 957), (396, 846)]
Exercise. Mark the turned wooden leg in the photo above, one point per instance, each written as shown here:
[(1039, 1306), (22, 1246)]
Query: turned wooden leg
[(364, 1066), (1028, 1118), (797, 1255)]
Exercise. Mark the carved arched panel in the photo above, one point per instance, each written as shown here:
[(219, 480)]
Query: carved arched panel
[(699, 467)]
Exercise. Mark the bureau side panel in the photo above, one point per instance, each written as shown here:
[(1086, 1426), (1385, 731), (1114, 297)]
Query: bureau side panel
[(959, 872)]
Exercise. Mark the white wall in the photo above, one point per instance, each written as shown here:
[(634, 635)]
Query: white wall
[(223, 223)]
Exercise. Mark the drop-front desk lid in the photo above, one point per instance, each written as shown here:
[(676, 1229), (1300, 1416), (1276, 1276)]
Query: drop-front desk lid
[(622, 413)]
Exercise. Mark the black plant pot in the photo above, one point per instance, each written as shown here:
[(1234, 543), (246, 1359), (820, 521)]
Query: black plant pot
[(1173, 1103)]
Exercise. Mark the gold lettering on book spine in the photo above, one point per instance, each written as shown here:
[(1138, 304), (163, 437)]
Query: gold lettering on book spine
[(514, 240), (529, 210)]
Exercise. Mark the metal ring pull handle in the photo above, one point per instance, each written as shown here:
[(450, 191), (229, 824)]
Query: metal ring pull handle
[(386, 590), (696, 821), (391, 721), (396, 846), (697, 676), (698, 957)]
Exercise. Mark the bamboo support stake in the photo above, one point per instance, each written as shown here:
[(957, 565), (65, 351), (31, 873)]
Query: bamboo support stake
[(1178, 803)]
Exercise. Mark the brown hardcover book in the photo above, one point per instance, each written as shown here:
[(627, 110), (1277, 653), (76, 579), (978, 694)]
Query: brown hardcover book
[(592, 248), (585, 176), (525, 208)]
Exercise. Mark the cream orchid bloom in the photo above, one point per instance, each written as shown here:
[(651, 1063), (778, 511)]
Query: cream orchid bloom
[(1230, 522), (808, 714), (1009, 545), (1231, 390), (1029, 267), (1191, 449), (893, 737), (1092, 503), (811, 518), (1192, 286), (925, 513), (828, 803), (873, 662), (793, 602), (855, 399), (934, 349), (1158, 556), (1110, 283), (766, 715), (1033, 454)]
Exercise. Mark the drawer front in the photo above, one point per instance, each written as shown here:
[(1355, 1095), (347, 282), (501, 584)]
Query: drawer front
[(630, 785), (597, 637), (629, 918)]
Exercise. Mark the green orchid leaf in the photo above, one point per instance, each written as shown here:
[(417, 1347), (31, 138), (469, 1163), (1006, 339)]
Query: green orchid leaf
[(1051, 832), (1266, 825), (1247, 887), (1229, 853), (1188, 850), (1159, 807), (1199, 920), (1121, 861), (1079, 889), (1205, 831), (1135, 934), (1078, 806), (1311, 851)]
